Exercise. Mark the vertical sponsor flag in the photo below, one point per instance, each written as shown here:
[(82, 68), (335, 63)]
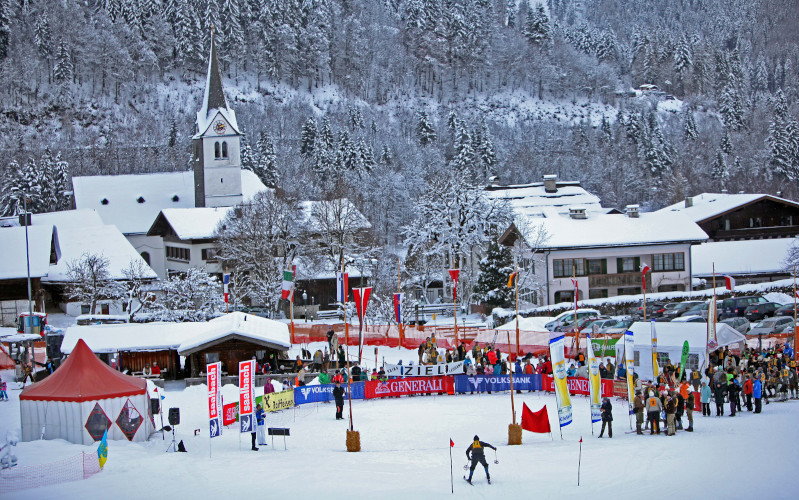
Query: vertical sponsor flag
[(225, 283), (213, 373), (342, 285), (655, 370), (288, 285), (557, 344), (729, 283), (453, 273), (712, 314), (102, 449), (246, 410), (361, 296), (684, 359), (594, 387), (629, 355), (398, 299)]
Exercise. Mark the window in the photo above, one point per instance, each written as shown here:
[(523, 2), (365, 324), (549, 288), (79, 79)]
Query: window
[(692, 363), (210, 254), (211, 357), (636, 357), (629, 291), (217, 151), (671, 288), (178, 253), (663, 358), (601, 293), (754, 222), (527, 264), (597, 266), (563, 268), (668, 262), (786, 220), (564, 296), (628, 264), (224, 149), (146, 257)]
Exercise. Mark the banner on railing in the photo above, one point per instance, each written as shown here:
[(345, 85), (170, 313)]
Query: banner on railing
[(578, 385), (455, 368), (230, 413), (405, 386), (321, 393), (498, 383), (275, 401)]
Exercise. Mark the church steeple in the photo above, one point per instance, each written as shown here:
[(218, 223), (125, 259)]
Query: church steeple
[(214, 94)]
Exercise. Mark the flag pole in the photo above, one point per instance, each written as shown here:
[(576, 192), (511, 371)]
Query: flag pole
[(643, 287), (516, 265), (347, 342), (510, 372), (451, 480), (795, 330), (579, 460), (455, 303), (399, 290)]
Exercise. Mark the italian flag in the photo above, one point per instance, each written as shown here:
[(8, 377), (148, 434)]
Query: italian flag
[(288, 284)]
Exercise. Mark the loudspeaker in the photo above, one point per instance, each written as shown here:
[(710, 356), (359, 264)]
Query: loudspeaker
[(155, 405), (174, 416)]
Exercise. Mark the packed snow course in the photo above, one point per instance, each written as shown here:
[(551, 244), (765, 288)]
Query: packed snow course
[(405, 453)]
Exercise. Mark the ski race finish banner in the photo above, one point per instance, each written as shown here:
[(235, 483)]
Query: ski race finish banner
[(405, 386), (594, 381), (497, 383), (655, 371), (246, 407), (455, 368), (629, 357), (214, 372), (557, 355)]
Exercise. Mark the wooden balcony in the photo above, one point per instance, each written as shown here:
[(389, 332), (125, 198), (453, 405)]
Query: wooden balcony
[(617, 280)]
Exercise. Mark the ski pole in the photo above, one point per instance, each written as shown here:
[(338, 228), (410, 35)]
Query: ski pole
[(496, 460)]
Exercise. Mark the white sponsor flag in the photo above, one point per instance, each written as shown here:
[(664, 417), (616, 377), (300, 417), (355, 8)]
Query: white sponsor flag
[(594, 383), (558, 356), (629, 355)]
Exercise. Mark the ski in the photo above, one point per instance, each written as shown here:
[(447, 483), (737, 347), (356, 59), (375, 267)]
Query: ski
[(467, 480)]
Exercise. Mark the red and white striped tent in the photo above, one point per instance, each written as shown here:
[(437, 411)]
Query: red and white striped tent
[(82, 399)]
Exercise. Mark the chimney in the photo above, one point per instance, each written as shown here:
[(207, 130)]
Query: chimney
[(577, 213), (25, 219), (631, 211), (689, 202), (551, 183)]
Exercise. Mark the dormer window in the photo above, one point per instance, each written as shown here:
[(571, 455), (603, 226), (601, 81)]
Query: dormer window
[(176, 198), (104, 201), (140, 199), (224, 150), (217, 151)]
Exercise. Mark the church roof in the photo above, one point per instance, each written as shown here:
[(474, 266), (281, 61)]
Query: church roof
[(214, 101)]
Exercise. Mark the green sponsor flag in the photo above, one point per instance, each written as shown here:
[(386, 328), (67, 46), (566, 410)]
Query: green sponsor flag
[(683, 360)]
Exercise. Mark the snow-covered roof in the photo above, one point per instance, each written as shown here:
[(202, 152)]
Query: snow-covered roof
[(338, 210), (194, 223), (256, 329), (214, 101), (107, 241), (532, 199), (13, 263), (707, 205), (132, 202), (177, 336), (610, 230), (740, 257)]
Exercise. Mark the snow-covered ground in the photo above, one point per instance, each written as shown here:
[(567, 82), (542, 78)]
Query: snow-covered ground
[(405, 453)]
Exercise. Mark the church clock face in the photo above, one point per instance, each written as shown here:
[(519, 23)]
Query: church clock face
[(219, 127)]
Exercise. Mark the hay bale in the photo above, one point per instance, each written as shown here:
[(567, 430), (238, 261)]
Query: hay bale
[(353, 441), (514, 434)]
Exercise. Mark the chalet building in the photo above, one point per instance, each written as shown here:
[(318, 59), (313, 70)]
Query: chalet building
[(748, 235), (603, 252)]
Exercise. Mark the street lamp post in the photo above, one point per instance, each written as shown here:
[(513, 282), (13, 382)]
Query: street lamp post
[(27, 219), (305, 305)]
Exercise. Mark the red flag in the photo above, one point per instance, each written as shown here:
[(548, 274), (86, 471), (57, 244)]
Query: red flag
[(361, 296), (451, 443), (581, 439), (535, 421), (453, 273), (729, 283)]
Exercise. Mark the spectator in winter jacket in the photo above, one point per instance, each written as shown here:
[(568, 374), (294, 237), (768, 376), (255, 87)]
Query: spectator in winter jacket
[(720, 380), (3, 393), (324, 378), (689, 410), (571, 371), (607, 417), (748, 386), (260, 421), (704, 398), (671, 409), (638, 409), (733, 387), (338, 395), (603, 372), (653, 409), (757, 392)]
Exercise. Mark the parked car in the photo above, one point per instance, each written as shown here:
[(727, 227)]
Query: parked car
[(742, 325), (621, 326), (698, 310), (582, 324), (737, 305), (770, 325), (567, 318), (756, 312), (689, 319), (654, 309), (784, 310), (680, 308), (789, 328), (596, 325)]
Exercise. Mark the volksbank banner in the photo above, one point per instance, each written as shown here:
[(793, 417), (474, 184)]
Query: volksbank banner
[(485, 383), (320, 393), (424, 370)]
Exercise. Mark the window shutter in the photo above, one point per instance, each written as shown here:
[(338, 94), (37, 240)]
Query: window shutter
[(619, 265), (604, 266), (637, 264)]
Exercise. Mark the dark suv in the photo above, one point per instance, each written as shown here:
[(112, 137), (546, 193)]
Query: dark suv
[(736, 306), (756, 312)]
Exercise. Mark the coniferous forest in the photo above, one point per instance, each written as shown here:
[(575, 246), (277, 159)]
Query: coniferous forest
[(374, 99)]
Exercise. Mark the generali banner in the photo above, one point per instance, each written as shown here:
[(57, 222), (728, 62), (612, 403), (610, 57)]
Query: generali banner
[(578, 385), (405, 386), (424, 370)]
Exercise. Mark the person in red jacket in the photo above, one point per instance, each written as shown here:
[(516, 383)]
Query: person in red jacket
[(547, 369), (748, 389)]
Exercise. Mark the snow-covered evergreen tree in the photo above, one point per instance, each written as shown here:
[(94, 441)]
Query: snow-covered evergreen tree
[(5, 28), (424, 129), (265, 160), (721, 172), (308, 138), (495, 268), (783, 140), (536, 28), (63, 68)]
